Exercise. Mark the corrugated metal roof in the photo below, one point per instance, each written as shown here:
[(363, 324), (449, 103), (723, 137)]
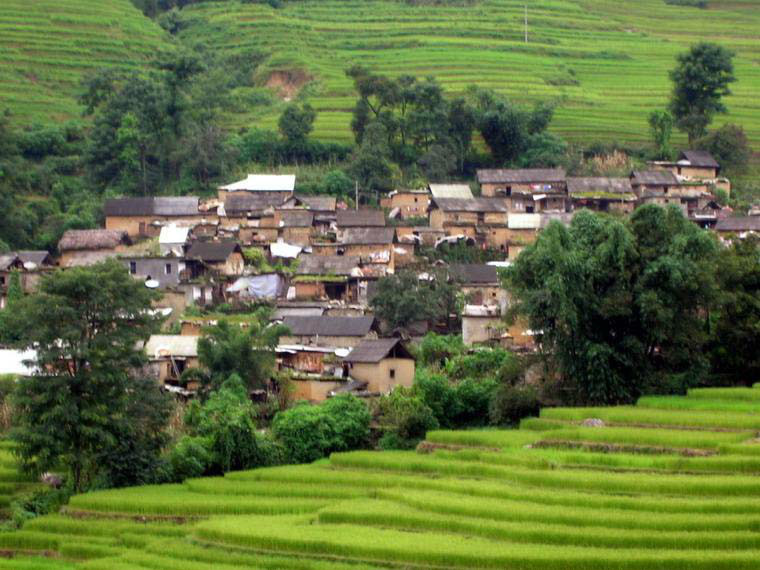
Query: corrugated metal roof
[(360, 218), (263, 183), (173, 234), (368, 236), (521, 176), (451, 191), (165, 345), (329, 326), (471, 205), (376, 350)]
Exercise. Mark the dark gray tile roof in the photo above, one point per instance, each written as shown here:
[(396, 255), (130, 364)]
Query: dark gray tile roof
[(521, 176), (319, 203), (739, 224), (212, 251), (160, 206), (368, 236), (360, 218), (599, 184), (329, 326), (699, 158), (471, 205), (376, 350), (654, 178), (243, 202), (296, 218), (327, 264), (37, 257), (474, 273)]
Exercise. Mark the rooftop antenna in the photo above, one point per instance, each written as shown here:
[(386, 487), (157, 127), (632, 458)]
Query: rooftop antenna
[(356, 190), (526, 23)]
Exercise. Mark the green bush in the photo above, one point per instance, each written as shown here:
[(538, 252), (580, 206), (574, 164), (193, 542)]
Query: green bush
[(510, 404), (189, 458), (351, 419), (474, 398), (405, 419), (436, 349)]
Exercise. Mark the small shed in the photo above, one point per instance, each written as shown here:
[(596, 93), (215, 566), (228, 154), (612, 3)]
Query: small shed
[(382, 363)]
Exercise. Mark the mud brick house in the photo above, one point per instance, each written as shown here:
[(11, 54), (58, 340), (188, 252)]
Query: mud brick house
[(280, 186), (450, 191), (482, 219), (663, 187), (692, 165), (30, 266), (382, 364), (527, 190), (222, 258), (328, 277), (88, 247), (419, 235), (409, 203), (480, 282), (739, 227), (294, 226), (360, 219), (602, 194), (250, 217), (169, 355), (144, 217), (324, 209), (336, 332), (374, 245)]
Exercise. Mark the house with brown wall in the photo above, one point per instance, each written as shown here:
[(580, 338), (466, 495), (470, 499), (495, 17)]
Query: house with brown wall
[(336, 332), (294, 226), (88, 247), (602, 194), (374, 245), (382, 364), (480, 282), (169, 355), (409, 203), (691, 165), (223, 258), (527, 190), (144, 217), (327, 277)]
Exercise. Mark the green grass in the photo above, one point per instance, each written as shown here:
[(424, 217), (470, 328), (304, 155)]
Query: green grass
[(481, 499), (605, 62)]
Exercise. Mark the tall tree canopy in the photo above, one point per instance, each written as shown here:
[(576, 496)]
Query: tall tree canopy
[(700, 81), (85, 324), (621, 306)]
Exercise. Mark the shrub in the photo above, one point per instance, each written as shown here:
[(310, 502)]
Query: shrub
[(474, 398), (351, 420), (509, 404), (405, 419), (435, 349), (438, 393), (478, 364), (189, 458)]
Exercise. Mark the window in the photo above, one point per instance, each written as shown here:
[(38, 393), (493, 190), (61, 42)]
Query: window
[(415, 200), (392, 373), (168, 269), (133, 267)]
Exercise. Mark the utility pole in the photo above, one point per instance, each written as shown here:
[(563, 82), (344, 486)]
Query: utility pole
[(526, 23), (356, 190)]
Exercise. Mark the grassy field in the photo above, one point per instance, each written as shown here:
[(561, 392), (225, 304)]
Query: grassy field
[(517, 499), (47, 46), (604, 61)]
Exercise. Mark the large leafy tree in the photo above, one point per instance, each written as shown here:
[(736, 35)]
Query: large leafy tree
[(621, 306), (85, 324), (700, 81)]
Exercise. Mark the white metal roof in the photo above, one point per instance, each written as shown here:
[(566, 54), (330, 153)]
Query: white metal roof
[(263, 183), (173, 234), (518, 221), (165, 345), (12, 362), (450, 191)]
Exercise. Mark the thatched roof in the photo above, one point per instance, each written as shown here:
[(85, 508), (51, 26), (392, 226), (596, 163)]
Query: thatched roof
[(521, 176), (654, 178), (471, 205), (92, 239), (329, 326), (360, 218), (375, 350)]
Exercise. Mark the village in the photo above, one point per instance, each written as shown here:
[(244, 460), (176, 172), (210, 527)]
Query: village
[(316, 261)]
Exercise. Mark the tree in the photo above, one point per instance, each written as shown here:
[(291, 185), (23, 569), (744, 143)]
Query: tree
[(15, 292), (85, 324), (729, 146), (295, 124), (661, 127), (622, 307), (700, 80), (371, 162), (401, 300), (227, 349)]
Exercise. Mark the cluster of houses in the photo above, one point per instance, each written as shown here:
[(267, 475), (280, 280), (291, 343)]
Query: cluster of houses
[(317, 262)]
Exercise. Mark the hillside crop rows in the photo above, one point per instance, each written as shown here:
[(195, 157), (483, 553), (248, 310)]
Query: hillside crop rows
[(546, 496), (48, 46), (606, 62)]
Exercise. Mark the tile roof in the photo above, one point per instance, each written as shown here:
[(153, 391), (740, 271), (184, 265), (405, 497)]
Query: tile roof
[(699, 158), (739, 224), (243, 203), (474, 273), (375, 350), (263, 183), (327, 264), (471, 205), (36, 257), (368, 236), (654, 178), (212, 250), (319, 203), (296, 218), (329, 326), (159, 206), (360, 218), (521, 176), (599, 184)]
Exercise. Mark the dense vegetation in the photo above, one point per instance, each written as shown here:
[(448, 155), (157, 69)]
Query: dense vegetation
[(669, 483)]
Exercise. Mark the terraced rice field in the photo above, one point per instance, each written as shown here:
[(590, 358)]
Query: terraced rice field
[(605, 61), (47, 46), (12, 482), (670, 483)]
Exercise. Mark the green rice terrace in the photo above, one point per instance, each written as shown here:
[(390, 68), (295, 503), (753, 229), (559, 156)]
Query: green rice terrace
[(606, 61), (670, 483)]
